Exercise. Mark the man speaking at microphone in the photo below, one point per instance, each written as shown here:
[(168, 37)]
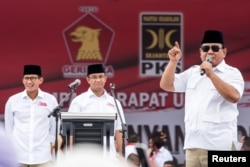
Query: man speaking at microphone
[(97, 100), (212, 90)]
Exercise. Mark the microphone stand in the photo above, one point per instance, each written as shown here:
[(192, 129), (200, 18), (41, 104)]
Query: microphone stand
[(124, 126), (56, 113)]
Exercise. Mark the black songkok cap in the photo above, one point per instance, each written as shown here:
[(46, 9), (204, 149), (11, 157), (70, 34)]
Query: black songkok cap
[(213, 36), (32, 69), (95, 68)]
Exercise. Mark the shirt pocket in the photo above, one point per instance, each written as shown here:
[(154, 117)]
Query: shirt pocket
[(212, 113), (206, 94), (42, 111), (213, 117)]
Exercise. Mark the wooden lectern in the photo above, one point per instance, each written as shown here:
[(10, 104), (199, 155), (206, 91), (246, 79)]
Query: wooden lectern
[(94, 128)]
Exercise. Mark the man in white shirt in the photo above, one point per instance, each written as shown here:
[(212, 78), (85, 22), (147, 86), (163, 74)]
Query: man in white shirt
[(212, 91), (97, 100), (160, 153), (133, 140), (27, 121)]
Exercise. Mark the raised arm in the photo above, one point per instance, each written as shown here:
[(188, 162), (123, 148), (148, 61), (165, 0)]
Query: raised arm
[(167, 79)]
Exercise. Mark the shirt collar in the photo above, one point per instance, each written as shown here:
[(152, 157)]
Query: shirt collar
[(220, 67), (160, 149), (90, 93), (40, 94)]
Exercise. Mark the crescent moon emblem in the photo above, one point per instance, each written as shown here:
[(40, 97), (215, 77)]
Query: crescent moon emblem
[(167, 38), (154, 41)]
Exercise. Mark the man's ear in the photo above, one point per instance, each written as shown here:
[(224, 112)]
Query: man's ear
[(41, 80)]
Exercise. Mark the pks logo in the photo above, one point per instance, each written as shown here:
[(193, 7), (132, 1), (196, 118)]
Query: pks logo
[(159, 31), (88, 41)]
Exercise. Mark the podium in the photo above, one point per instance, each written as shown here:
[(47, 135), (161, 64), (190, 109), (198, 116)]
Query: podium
[(94, 128)]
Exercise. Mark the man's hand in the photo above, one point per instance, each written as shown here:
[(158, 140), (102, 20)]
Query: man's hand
[(175, 53)]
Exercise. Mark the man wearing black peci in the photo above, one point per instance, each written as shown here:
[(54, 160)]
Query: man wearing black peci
[(212, 91), (96, 100)]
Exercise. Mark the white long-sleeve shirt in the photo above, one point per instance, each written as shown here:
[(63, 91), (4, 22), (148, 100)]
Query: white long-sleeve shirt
[(89, 102), (32, 131)]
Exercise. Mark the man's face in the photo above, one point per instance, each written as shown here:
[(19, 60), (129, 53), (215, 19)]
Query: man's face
[(32, 82), (97, 81), (216, 50)]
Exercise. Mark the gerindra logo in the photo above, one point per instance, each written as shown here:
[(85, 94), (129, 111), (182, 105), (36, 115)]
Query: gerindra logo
[(88, 40)]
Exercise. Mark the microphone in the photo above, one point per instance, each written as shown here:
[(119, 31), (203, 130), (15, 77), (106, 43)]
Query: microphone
[(74, 84), (208, 59), (112, 86)]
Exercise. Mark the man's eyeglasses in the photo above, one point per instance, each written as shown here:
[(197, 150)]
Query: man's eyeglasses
[(215, 48), (30, 78), (95, 77)]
